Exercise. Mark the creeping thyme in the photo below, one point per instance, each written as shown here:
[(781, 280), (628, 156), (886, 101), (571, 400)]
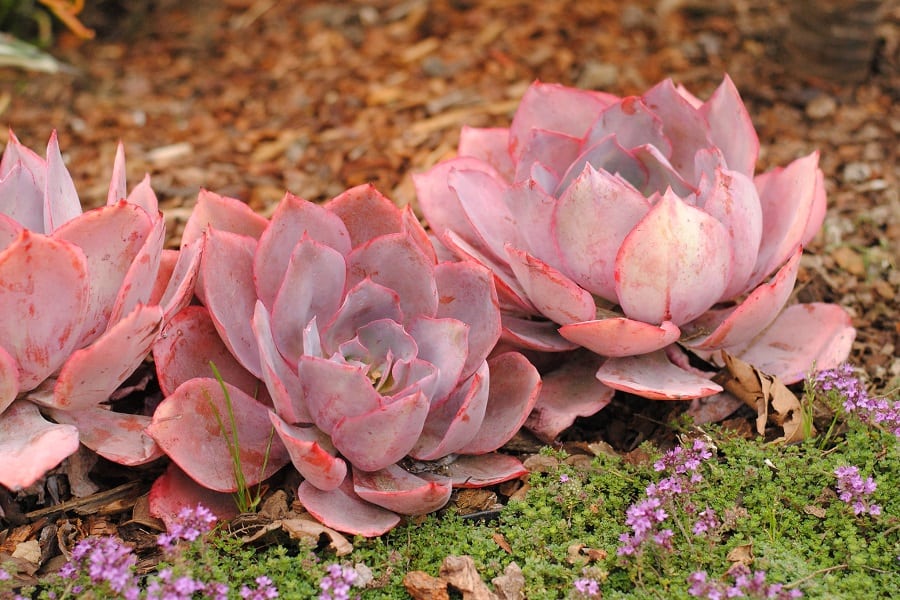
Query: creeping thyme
[(744, 585), (855, 491)]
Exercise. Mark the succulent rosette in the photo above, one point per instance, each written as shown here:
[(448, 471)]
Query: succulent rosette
[(636, 228), (82, 297), (374, 358)]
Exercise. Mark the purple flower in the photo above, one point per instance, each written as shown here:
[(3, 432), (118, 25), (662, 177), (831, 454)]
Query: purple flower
[(265, 590), (854, 490), (706, 522), (168, 587), (745, 585), (563, 478), (876, 411), (4, 575), (336, 585), (190, 524), (105, 560), (587, 587)]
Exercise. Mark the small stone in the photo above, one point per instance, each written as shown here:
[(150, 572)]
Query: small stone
[(821, 107), (856, 172), (598, 75), (849, 260)]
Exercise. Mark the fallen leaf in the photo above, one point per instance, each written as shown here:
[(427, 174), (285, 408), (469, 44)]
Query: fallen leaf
[(29, 551), (500, 540), (741, 555), (300, 529), (460, 572), (422, 586), (771, 399), (816, 511)]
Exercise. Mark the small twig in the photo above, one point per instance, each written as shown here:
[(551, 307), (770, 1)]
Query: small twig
[(87, 504)]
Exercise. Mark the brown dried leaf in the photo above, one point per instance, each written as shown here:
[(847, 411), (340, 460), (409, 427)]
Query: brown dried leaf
[(742, 555), (767, 394), (300, 529), (815, 511), (460, 572), (422, 586), (500, 540)]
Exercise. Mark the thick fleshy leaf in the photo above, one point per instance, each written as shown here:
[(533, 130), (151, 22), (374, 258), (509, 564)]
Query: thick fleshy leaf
[(733, 200), (186, 346), (440, 204), (553, 150), (367, 213), (228, 258), (731, 129), (514, 388), (661, 174), (140, 279), (683, 126), (592, 218), (342, 509), (490, 145), (110, 237), (532, 209), (443, 343), (788, 197), (484, 470), (43, 300), (621, 336), (313, 287), (9, 379), (752, 315), (481, 196), (312, 454), (455, 421), (186, 427), (402, 492), (568, 392), (30, 445), (143, 195), (674, 265), (466, 293), (510, 294), (633, 124), (527, 334), (15, 152), (554, 295), (92, 374), (61, 202), (654, 376), (817, 212), (180, 278), (222, 213), (174, 491), (118, 187), (23, 197), (294, 219), (554, 107), (804, 337), (281, 381), (364, 303), (374, 440), (396, 262), (607, 155), (115, 436), (334, 391)]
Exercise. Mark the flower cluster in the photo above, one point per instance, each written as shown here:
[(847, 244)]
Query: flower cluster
[(106, 561), (190, 524), (167, 585), (855, 491), (336, 585), (587, 587), (843, 381), (646, 516), (744, 585), (265, 590)]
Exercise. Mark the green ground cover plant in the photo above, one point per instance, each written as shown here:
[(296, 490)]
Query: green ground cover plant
[(812, 519)]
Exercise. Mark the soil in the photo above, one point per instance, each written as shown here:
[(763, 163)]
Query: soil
[(250, 98)]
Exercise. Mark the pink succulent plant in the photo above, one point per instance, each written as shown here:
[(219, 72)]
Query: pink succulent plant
[(635, 227), (374, 358), (82, 298)]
